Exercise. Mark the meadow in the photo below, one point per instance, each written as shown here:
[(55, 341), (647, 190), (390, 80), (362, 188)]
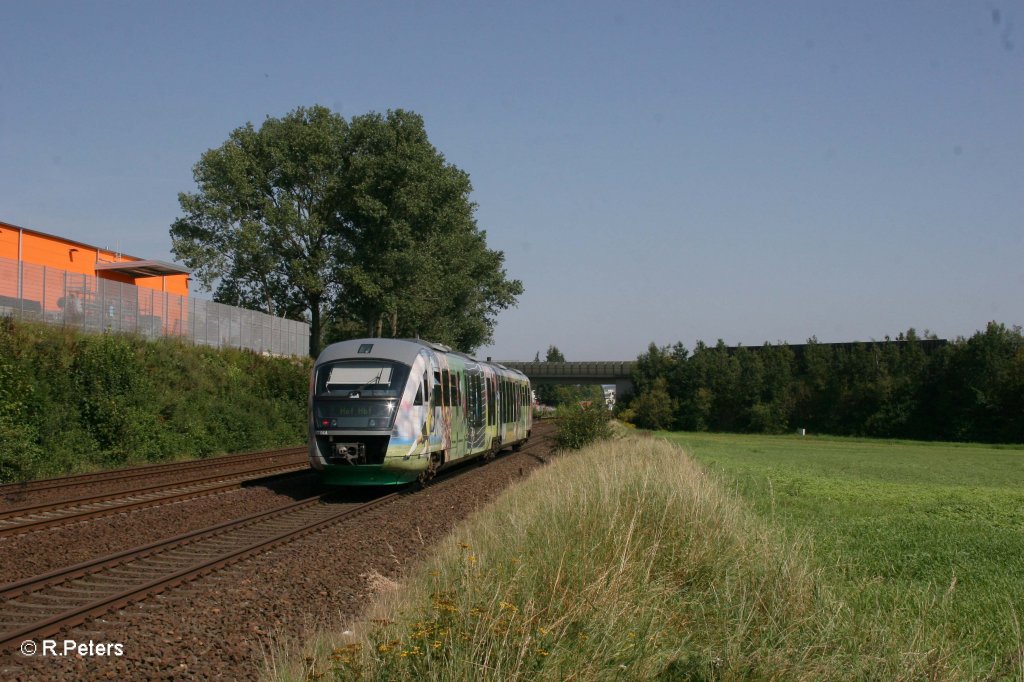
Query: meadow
[(754, 557), (925, 537)]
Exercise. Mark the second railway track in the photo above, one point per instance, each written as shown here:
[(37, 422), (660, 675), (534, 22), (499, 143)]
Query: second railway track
[(48, 514), (60, 600), (145, 471), (44, 605)]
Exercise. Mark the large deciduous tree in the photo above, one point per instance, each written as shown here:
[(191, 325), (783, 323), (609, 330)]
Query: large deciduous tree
[(263, 225), (360, 226), (420, 266)]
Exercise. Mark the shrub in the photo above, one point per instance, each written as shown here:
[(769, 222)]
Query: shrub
[(72, 402), (579, 425), (654, 409)]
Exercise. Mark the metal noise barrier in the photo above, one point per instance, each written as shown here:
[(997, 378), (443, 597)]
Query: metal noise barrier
[(91, 304)]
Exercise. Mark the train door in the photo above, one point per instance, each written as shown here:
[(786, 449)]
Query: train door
[(426, 410), (491, 399), (503, 410), (456, 400), (437, 432), (475, 427)]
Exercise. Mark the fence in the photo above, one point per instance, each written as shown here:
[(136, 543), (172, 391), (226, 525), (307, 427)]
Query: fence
[(93, 304)]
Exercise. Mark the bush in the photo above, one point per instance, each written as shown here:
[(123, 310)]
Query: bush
[(654, 409), (580, 425), (71, 402)]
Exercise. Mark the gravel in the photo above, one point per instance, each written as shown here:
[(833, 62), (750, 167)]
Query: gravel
[(13, 496), (224, 626), (44, 550)]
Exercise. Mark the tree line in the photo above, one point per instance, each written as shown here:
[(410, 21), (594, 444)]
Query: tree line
[(969, 389)]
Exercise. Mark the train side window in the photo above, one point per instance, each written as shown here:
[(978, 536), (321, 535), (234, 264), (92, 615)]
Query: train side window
[(491, 416), (437, 389), (419, 395), (454, 392), (446, 388), (478, 403), (480, 400), (504, 401)]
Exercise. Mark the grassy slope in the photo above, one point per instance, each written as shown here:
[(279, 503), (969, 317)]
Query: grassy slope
[(932, 531), (626, 561), (72, 402)]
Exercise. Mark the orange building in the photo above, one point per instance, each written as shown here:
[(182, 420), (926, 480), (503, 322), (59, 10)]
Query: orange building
[(60, 280), (63, 282), (39, 248)]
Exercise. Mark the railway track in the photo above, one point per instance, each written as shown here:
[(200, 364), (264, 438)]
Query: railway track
[(146, 471), (44, 605), (45, 515)]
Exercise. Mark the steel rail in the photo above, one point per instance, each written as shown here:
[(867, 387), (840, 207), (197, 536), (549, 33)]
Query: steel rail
[(56, 618), (26, 519), (144, 470), (93, 565), (69, 617)]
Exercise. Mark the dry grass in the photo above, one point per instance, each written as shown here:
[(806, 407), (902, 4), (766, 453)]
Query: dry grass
[(624, 561)]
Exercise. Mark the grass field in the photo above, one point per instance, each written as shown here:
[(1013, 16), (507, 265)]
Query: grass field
[(796, 559), (926, 536)]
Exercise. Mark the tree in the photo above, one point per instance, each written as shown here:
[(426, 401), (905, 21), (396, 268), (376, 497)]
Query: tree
[(263, 224), (554, 355), (654, 409), (547, 394), (420, 266), (360, 226)]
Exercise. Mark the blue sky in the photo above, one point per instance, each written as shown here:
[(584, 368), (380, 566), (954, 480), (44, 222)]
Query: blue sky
[(653, 171)]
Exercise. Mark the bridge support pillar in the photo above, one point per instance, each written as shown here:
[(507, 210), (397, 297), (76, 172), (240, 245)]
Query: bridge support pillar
[(622, 387)]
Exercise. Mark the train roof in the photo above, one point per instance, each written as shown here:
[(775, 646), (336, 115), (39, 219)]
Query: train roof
[(399, 350)]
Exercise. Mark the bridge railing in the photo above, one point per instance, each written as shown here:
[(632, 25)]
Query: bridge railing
[(574, 369)]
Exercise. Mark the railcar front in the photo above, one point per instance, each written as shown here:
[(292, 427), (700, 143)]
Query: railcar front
[(369, 414)]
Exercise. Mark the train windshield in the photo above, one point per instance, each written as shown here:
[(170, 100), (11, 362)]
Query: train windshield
[(358, 394)]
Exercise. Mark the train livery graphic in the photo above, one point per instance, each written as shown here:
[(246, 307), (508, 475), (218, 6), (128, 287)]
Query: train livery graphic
[(389, 411)]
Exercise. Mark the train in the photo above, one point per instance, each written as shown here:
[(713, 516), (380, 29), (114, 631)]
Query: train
[(388, 412)]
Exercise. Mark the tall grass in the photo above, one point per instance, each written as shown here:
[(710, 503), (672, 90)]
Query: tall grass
[(622, 561)]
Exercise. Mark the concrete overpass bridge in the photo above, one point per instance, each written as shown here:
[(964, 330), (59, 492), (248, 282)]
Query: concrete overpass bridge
[(619, 373)]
